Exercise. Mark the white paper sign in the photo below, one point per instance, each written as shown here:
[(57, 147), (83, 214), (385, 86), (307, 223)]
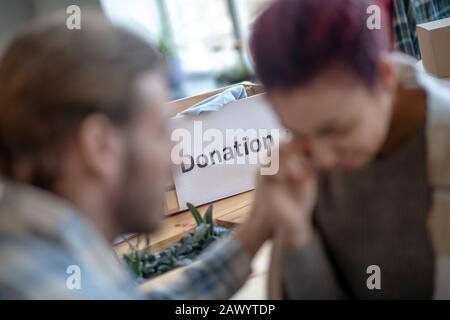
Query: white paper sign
[(222, 151)]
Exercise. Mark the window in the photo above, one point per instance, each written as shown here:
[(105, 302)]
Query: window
[(208, 37)]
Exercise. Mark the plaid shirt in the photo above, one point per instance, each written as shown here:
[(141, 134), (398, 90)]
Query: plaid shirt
[(41, 236), (408, 14)]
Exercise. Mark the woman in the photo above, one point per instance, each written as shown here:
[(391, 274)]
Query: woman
[(362, 200)]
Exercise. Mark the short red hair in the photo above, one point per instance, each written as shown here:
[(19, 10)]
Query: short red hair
[(294, 41)]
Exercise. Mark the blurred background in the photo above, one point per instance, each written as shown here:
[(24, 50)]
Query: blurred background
[(204, 41)]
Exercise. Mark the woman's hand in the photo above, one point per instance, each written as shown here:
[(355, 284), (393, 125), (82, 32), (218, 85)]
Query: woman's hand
[(283, 204), (289, 197), (257, 228)]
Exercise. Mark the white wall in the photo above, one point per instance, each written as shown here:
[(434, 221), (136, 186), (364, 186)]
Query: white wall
[(14, 14)]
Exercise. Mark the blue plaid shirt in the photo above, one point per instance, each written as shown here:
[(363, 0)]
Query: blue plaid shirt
[(42, 237), (407, 14)]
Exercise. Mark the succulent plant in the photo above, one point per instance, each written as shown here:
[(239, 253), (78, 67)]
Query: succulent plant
[(147, 265)]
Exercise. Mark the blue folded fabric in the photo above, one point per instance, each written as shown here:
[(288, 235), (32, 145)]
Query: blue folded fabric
[(217, 101)]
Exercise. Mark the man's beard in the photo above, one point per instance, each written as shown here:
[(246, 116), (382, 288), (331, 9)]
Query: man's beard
[(139, 202)]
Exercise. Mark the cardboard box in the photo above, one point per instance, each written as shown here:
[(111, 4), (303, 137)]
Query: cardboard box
[(171, 204), (434, 42)]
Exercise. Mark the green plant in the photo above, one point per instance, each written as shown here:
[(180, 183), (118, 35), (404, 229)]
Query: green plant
[(136, 258), (205, 224), (166, 48), (146, 265)]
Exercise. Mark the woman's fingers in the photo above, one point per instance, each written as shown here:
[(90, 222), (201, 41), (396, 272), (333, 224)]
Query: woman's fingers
[(288, 197), (293, 165)]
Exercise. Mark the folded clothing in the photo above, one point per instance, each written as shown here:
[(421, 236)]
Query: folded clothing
[(217, 101)]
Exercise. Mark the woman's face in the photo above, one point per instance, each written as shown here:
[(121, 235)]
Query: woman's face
[(341, 123)]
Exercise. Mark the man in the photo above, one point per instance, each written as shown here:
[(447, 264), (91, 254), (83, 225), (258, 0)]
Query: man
[(84, 157)]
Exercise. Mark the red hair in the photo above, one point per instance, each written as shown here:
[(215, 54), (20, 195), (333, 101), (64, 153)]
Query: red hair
[(293, 41)]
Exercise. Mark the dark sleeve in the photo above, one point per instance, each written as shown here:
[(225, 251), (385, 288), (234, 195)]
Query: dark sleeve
[(308, 274)]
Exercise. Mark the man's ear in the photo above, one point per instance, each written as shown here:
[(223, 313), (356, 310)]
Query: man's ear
[(100, 147)]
